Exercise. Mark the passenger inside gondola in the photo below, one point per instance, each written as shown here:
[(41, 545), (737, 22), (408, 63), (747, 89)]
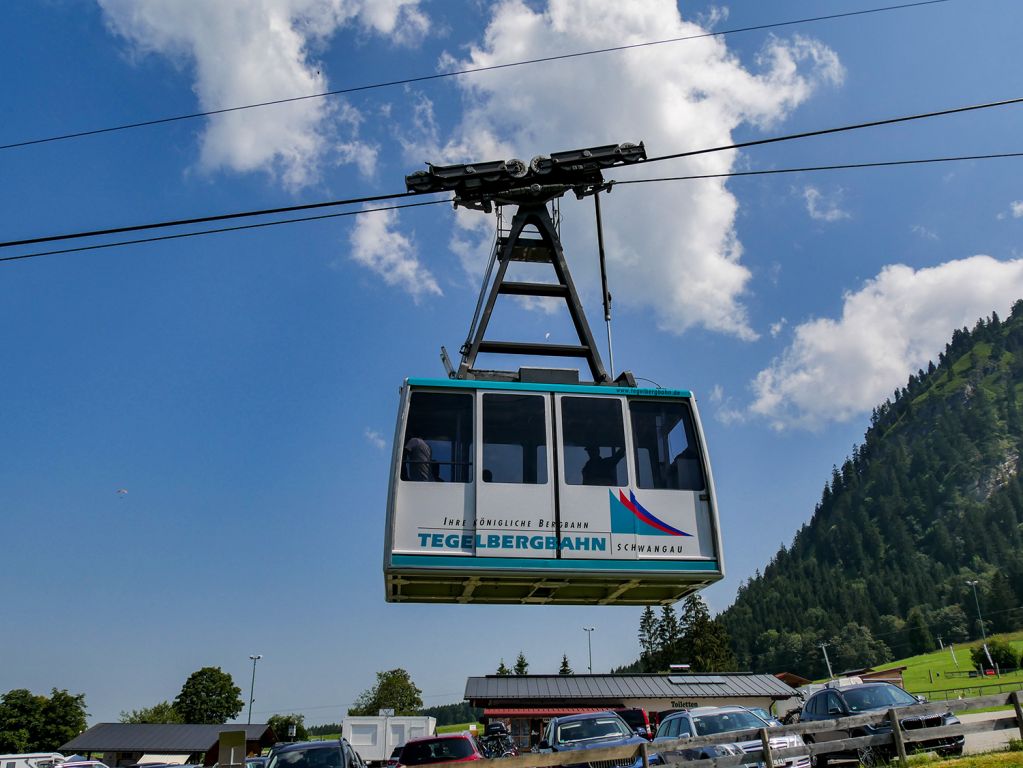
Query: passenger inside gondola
[(601, 470), (438, 438), (593, 436), (418, 460)]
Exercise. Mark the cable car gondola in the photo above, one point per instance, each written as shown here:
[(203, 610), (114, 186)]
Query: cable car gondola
[(532, 486)]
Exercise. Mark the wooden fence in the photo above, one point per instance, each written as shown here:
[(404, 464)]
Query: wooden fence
[(897, 742)]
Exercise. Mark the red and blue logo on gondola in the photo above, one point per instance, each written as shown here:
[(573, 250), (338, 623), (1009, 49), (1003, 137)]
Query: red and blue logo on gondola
[(629, 516)]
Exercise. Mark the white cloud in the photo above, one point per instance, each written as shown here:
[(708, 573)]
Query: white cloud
[(925, 233), (249, 51), (778, 327), (375, 439), (835, 370), (1016, 209), (823, 207), (381, 248), (672, 248)]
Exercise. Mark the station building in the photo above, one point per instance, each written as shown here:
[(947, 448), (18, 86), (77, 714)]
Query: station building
[(526, 703)]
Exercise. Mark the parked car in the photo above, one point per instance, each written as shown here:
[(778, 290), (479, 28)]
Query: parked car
[(764, 715), (858, 699), (591, 730), (314, 754), (707, 721), (638, 720), (256, 762), (442, 748), (392, 761)]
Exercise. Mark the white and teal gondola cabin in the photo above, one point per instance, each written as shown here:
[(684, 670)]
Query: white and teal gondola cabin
[(517, 492)]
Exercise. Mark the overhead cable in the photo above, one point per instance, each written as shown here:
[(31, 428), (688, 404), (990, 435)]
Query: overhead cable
[(203, 219), (774, 171), (237, 228), (456, 73), (843, 166), (399, 195), (840, 129)]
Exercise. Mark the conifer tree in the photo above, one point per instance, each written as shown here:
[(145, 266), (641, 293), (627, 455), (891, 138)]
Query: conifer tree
[(565, 668), (502, 669), (918, 635), (648, 640), (521, 665), (668, 636)]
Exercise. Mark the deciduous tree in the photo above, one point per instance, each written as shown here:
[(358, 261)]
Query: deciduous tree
[(209, 696), (163, 712), (34, 723), (282, 723), (395, 690)]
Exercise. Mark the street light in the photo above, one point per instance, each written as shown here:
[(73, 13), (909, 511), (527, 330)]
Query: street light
[(589, 644), (983, 634), (252, 685)]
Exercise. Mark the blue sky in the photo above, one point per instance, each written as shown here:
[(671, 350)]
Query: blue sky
[(242, 387)]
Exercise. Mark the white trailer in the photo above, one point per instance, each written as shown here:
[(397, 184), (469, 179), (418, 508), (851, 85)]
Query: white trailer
[(376, 737), (31, 760)]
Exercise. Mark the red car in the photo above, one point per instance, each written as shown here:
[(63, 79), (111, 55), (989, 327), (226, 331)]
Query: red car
[(443, 748)]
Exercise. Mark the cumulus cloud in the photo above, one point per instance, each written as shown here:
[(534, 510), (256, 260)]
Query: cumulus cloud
[(375, 439), (837, 369), (778, 327), (823, 207), (249, 51), (380, 247), (1015, 210), (672, 248)]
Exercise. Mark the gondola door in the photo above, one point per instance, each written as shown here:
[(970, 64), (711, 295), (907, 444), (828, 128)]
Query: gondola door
[(515, 489), (593, 470)]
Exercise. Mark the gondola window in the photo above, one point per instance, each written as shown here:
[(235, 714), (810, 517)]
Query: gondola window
[(594, 441), (665, 446), (514, 439), (438, 438)]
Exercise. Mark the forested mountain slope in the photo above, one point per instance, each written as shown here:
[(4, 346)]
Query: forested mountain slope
[(930, 500)]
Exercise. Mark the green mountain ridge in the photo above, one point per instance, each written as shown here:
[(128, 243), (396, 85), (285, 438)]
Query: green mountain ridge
[(930, 500)]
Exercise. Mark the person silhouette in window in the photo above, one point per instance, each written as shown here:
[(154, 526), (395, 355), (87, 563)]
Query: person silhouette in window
[(600, 470), (419, 460)]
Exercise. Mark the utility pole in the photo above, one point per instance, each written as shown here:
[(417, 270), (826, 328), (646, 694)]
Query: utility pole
[(589, 645), (824, 648), (941, 645), (983, 634), (252, 685)]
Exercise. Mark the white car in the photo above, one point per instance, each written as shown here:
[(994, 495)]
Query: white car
[(707, 721)]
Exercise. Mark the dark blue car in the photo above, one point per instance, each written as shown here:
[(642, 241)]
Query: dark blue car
[(592, 730)]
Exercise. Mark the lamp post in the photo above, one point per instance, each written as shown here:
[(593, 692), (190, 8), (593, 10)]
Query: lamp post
[(252, 685), (983, 634), (589, 645)]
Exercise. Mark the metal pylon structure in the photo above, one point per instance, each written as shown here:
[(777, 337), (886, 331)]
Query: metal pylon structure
[(516, 246), (481, 186)]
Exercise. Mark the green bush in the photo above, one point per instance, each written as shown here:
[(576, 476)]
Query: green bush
[(1002, 654)]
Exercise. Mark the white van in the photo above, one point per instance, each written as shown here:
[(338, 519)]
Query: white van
[(32, 760)]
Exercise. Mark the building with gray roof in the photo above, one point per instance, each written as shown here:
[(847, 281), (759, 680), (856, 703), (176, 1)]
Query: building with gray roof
[(124, 744), (525, 702)]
